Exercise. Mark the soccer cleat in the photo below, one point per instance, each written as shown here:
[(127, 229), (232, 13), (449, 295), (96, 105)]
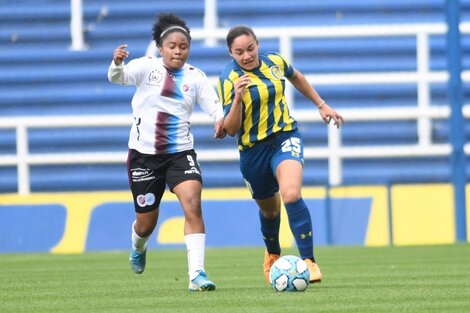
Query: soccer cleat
[(315, 274), (201, 283), (137, 261), (269, 260)]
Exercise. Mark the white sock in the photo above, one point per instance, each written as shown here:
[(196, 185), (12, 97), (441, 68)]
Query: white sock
[(195, 246), (138, 243)]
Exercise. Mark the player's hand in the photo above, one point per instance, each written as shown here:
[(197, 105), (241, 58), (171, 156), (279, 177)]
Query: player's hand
[(327, 114), (240, 87), (219, 129), (120, 54)]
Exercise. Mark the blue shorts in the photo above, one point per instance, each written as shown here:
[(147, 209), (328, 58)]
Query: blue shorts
[(258, 164)]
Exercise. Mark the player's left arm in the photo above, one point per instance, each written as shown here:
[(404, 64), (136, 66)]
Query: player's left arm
[(327, 113)]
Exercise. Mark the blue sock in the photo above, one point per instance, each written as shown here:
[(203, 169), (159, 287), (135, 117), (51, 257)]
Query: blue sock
[(301, 226), (270, 231)]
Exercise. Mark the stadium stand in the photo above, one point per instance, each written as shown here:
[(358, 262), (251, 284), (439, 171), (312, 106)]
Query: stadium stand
[(41, 76)]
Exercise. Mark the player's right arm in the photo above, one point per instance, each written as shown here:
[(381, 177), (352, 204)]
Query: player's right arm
[(233, 119), (120, 54), (120, 73)]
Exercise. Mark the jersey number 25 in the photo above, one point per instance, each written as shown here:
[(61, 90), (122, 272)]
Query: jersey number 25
[(291, 144)]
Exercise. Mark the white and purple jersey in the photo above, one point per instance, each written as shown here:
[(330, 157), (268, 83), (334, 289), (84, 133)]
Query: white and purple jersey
[(163, 103)]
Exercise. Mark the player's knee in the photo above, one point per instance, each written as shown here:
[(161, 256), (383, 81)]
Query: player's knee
[(271, 214), (144, 229), (290, 195), (193, 213)]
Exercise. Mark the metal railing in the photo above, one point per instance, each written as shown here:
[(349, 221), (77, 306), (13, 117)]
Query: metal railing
[(334, 152)]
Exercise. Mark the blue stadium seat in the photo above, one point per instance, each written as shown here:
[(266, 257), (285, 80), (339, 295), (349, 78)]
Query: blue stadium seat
[(42, 76)]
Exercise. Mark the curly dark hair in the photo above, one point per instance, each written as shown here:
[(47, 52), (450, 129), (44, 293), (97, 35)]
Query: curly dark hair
[(164, 22)]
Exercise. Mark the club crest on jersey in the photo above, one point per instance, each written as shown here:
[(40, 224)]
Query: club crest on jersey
[(276, 71), (145, 200), (155, 77)]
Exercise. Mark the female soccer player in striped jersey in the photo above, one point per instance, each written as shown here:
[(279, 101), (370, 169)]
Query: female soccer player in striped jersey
[(160, 142), (251, 89)]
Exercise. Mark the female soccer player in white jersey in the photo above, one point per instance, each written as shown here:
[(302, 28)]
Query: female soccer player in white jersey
[(160, 142)]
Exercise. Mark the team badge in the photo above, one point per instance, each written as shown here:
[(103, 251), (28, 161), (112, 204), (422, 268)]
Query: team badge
[(145, 200), (155, 77), (276, 71), (141, 200)]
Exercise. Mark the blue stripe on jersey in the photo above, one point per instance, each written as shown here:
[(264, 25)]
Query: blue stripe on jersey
[(271, 103), (172, 85), (166, 137), (255, 105), (173, 128)]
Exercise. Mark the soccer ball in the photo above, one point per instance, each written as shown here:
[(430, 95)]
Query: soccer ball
[(289, 273)]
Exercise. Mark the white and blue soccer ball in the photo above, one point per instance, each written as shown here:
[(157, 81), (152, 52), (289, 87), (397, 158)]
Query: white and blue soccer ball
[(289, 273)]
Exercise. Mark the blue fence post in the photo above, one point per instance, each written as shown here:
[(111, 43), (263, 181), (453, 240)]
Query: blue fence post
[(456, 119)]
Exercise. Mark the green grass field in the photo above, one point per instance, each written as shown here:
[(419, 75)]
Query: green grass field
[(356, 279)]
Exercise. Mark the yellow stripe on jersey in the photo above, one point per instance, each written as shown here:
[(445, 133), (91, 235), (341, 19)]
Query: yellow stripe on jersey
[(276, 58), (248, 122), (263, 96), (278, 95), (287, 117), (227, 91)]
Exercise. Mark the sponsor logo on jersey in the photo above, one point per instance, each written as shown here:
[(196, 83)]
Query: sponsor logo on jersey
[(141, 174), (192, 170), (149, 198)]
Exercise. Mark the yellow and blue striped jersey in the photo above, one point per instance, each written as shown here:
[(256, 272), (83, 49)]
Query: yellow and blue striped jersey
[(265, 110)]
